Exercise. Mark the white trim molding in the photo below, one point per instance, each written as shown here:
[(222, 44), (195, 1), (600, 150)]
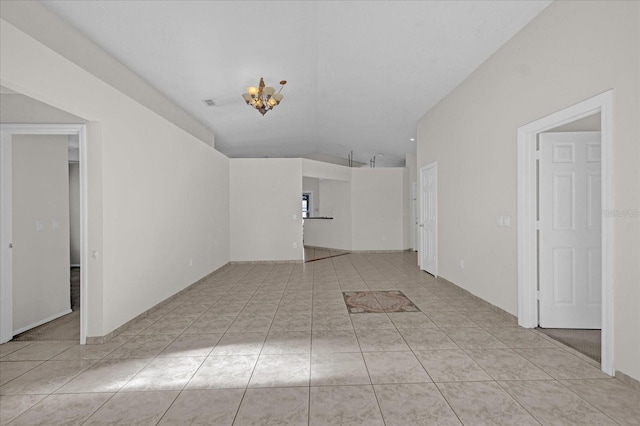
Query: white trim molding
[(527, 215), (6, 285), (6, 238)]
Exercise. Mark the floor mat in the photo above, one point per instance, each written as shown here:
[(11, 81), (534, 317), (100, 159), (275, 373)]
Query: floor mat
[(359, 302)]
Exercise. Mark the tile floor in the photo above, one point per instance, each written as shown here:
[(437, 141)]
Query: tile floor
[(274, 344)]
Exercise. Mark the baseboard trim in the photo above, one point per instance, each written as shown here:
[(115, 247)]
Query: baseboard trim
[(261, 262), (628, 380), (328, 248), (514, 318), (98, 340), (379, 251), (357, 251), (37, 323), (489, 305)]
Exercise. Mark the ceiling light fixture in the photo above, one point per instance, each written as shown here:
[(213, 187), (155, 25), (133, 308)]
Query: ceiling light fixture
[(263, 98)]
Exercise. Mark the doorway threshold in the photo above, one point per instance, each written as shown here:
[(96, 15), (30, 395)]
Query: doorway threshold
[(326, 257), (66, 327), (587, 342)]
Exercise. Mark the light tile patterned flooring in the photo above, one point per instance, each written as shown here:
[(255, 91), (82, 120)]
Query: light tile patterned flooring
[(273, 344)]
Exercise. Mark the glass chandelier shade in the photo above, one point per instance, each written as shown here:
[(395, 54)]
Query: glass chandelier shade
[(263, 98)]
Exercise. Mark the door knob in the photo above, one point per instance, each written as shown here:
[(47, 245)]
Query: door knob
[(10, 245)]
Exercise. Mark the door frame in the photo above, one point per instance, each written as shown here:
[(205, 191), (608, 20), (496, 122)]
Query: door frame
[(6, 237), (6, 279), (423, 169), (415, 217), (527, 204)]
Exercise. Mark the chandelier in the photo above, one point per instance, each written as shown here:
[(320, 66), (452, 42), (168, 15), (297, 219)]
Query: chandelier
[(263, 98)]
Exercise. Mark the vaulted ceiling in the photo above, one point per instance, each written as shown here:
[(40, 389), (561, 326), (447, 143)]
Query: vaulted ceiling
[(360, 74)]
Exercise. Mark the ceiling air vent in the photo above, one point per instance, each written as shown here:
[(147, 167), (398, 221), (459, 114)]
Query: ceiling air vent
[(209, 102)]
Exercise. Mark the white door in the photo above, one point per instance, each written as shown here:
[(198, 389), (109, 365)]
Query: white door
[(429, 219), (570, 230)]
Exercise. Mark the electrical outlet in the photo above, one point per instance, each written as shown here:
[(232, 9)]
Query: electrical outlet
[(190, 262), (462, 264), (295, 245), (503, 221)]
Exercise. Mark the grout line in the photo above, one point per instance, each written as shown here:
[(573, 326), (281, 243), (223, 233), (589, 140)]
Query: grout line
[(325, 280), (169, 407)]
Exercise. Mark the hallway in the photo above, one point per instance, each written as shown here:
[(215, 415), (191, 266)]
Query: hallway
[(261, 344)]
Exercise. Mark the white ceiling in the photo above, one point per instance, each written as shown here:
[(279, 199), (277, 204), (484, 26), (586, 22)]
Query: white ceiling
[(360, 74)]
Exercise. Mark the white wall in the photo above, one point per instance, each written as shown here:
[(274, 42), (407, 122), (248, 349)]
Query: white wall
[(411, 163), (332, 159), (570, 52), (41, 287), (16, 108), (591, 123), (379, 200), (35, 19), (74, 213), (369, 206), (335, 202), (158, 196), (318, 169), (265, 209)]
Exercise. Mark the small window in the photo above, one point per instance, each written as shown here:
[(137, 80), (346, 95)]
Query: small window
[(306, 205)]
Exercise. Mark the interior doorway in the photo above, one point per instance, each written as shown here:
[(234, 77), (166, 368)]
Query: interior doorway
[(8, 132), (529, 225), (569, 237), (429, 219), (569, 216), (307, 204)]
